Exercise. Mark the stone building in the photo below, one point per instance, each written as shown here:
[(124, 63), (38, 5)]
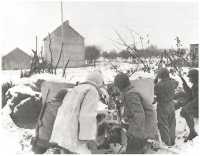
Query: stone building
[(73, 48)]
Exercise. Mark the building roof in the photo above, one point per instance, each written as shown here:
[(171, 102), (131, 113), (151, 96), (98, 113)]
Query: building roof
[(16, 52), (194, 44), (65, 26)]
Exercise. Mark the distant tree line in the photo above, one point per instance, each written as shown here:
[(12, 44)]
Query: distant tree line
[(124, 54), (92, 53)]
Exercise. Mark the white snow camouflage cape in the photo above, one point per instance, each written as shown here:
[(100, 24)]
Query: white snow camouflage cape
[(74, 125)]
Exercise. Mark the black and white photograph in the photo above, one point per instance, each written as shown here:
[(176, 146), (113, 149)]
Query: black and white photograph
[(99, 77)]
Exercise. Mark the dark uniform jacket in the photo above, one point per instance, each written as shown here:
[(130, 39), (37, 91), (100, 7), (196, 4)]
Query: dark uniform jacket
[(165, 91), (192, 103), (134, 112)]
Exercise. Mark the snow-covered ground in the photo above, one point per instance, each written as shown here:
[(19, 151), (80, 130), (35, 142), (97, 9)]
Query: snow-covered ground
[(15, 140)]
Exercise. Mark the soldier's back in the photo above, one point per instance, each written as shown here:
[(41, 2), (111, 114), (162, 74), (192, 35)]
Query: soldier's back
[(165, 90)]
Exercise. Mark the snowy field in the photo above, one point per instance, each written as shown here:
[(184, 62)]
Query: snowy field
[(15, 140)]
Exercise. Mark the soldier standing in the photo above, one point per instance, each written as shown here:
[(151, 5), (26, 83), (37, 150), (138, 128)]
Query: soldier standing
[(190, 109), (165, 91)]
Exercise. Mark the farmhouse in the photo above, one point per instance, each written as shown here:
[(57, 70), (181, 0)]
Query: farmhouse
[(73, 48), (16, 59)]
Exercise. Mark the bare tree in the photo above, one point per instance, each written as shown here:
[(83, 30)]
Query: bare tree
[(42, 60), (132, 71), (64, 69), (51, 56), (131, 49), (115, 67), (141, 40), (60, 54)]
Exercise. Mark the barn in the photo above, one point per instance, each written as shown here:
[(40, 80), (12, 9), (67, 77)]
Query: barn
[(73, 46), (16, 59)]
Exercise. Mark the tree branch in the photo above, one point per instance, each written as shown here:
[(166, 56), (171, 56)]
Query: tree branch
[(51, 55), (65, 67), (131, 50), (60, 54), (115, 68)]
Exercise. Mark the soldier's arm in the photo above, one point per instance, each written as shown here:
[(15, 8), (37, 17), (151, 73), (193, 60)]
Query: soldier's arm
[(156, 80), (185, 86), (156, 87), (175, 84)]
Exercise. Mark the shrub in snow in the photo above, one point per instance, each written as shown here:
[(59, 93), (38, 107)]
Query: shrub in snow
[(5, 88), (16, 99), (25, 100), (24, 104), (26, 113)]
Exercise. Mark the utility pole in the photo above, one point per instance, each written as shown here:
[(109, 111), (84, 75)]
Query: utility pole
[(62, 20), (36, 44)]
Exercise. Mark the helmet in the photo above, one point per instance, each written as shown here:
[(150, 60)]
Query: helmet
[(163, 73), (193, 73), (121, 81), (95, 77)]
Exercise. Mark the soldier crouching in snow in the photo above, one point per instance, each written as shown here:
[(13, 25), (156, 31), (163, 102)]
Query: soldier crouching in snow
[(191, 107), (134, 115), (75, 126), (165, 92)]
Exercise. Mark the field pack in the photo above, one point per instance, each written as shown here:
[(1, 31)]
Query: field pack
[(145, 88)]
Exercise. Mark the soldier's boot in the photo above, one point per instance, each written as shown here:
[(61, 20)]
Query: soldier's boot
[(190, 122), (191, 136)]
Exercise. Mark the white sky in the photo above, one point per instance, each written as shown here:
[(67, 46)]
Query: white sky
[(96, 21)]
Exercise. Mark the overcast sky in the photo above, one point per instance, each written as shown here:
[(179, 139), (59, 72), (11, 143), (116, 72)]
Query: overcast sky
[(96, 21)]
